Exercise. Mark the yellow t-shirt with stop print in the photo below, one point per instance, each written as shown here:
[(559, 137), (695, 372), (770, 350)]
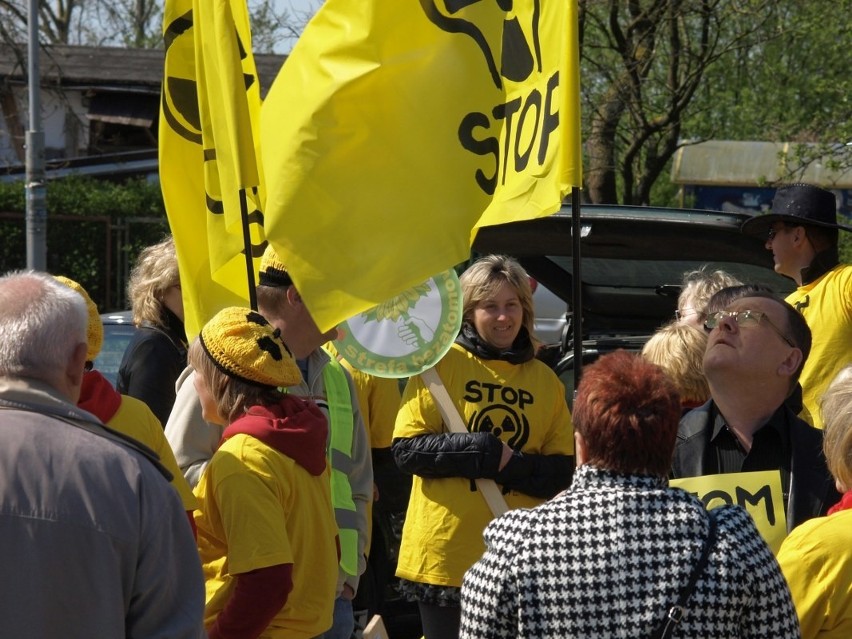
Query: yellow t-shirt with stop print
[(522, 404)]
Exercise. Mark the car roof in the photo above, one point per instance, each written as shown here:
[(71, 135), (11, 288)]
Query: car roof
[(117, 317), (632, 259)]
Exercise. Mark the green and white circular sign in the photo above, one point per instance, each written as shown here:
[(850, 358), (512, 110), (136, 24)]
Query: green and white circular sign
[(407, 334)]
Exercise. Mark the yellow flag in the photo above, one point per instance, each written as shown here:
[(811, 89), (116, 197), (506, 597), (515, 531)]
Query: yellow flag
[(208, 158), (396, 129)]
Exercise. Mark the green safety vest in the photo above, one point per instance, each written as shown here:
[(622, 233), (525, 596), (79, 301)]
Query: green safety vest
[(341, 427)]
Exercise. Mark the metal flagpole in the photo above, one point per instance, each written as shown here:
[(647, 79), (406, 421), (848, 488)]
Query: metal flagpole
[(36, 217)]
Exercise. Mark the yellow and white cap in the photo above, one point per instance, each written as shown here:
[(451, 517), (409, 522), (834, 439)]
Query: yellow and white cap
[(244, 345)]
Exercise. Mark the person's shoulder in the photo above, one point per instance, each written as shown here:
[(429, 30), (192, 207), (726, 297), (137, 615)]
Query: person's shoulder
[(840, 275), (130, 451), (803, 431), (540, 368), (508, 531), (694, 422), (135, 418), (831, 534), (736, 531)]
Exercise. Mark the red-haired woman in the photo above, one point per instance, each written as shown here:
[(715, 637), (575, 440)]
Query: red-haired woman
[(612, 555)]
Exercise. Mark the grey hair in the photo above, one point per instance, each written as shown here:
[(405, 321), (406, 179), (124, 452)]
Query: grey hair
[(699, 286), (41, 323)]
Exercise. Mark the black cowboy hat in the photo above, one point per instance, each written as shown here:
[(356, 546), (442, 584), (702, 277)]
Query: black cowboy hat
[(798, 205)]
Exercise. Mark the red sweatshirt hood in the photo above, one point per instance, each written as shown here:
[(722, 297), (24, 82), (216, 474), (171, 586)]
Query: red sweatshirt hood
[(295, 427), (98, 397), (845, 503)]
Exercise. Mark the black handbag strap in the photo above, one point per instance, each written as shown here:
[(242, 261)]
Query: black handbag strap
[(676, 612)]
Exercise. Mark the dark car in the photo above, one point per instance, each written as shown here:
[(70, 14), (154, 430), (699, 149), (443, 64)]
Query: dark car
[(632, 261), (118, 331)]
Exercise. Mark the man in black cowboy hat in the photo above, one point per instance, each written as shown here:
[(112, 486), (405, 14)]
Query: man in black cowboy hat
[(801, 230)]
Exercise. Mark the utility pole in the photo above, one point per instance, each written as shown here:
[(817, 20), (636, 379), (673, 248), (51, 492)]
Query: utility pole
[(36, 212)]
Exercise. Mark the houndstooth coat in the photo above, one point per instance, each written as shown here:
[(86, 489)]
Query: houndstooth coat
[(608, 558)]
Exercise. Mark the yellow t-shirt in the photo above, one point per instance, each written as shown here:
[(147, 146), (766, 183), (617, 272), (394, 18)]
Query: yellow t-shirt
[(134, 419), (524, 405), (259, 508), (826, 305), (817, 561)]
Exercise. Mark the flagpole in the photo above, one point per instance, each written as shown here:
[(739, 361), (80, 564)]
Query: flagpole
[(36, 216), (252, 289), (577, 295)]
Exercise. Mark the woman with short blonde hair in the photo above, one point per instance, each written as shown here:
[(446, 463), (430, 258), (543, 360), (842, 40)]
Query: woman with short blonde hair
[(679, 350)]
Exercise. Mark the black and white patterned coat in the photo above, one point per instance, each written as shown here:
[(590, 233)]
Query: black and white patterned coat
[(608, 558)]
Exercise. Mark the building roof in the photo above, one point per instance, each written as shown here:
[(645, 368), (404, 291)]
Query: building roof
[(736, 163), (129, 69)]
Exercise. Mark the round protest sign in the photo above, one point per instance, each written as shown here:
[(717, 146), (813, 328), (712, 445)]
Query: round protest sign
[(406, 334)]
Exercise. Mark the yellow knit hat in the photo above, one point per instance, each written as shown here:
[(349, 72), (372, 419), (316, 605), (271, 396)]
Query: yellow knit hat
[(273, 272), (95, 328), (244, 345)]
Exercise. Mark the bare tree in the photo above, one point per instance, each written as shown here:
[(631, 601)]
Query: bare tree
[(56, 19), (642, 63), (128, 23), (276, 24)]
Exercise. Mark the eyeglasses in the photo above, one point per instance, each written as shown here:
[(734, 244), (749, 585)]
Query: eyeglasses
[(745, 319), (773, 232)]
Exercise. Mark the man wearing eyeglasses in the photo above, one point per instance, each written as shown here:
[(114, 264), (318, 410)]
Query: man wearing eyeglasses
[(801, 230), (756, 349)]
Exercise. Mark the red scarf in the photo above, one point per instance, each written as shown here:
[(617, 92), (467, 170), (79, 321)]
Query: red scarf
[(845, 503)]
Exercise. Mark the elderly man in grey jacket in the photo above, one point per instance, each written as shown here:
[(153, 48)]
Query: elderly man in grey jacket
[(93, 540)]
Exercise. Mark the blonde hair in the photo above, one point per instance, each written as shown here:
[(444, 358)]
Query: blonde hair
[(679, 350), (836, 407), (698, 287), (482, 279), (155, 271), (232, 396)]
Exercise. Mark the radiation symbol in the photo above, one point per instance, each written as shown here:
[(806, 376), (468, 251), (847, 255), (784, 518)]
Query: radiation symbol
[(504, 423), (267, 343), (184, 116), (519, 55), (180, 94)]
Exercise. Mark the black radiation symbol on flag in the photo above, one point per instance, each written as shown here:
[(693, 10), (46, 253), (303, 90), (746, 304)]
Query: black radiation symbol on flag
[(181, 111), (180, 90), (180, 93), (519, 56), (504, 423)]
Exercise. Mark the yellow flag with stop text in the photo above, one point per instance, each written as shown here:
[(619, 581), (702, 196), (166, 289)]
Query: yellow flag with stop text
[(395, 129), (209, 172)]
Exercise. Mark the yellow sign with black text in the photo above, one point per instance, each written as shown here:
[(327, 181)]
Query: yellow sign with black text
[(759, 493)]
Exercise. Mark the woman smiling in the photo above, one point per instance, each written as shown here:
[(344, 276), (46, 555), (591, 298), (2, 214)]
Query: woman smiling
[(519, 435)]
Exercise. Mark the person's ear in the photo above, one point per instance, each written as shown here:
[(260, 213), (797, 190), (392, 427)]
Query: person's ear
[(800, 236), (293, 296), (791, 363), (76, 366)]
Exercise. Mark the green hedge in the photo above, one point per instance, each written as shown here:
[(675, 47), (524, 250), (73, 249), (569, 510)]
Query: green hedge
[(95, 229)]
